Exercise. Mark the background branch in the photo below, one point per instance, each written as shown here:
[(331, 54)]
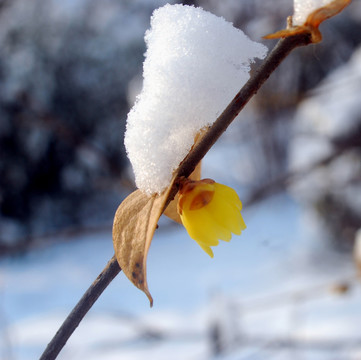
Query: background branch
[(276, 56), (287, 178)]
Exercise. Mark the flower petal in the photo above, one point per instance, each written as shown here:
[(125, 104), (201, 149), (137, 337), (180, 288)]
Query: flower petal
[(200, 227), (228, 214), (210, 212)]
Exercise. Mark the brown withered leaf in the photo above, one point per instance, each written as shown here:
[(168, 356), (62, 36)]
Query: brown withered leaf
[(313, 21), (134, 224), (326, 12)]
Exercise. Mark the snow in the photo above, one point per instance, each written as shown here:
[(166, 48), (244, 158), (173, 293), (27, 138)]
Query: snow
[(303, 8), (195, 64), (261, 287)]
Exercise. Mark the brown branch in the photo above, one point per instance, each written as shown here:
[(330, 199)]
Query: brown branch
[(278, 54), (80, 310), (273, 60)]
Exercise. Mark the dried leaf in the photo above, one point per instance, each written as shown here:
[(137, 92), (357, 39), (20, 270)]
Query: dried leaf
[(313, 22), (325, 12), (134, 224), (296, 30)]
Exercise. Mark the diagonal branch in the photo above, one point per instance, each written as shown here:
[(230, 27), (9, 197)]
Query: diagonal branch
[(80, 310), (277, 55), (340, 146)]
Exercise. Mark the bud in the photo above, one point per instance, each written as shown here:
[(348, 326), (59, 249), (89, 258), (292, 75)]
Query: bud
[(210, 212)]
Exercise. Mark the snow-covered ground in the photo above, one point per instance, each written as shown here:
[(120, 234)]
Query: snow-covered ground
[(270, 293)]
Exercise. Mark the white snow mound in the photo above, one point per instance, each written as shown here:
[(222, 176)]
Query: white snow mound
[(194, 65), (303, 8)]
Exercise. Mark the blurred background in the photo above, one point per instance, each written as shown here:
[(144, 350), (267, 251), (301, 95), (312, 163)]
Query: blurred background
[(69, 73)]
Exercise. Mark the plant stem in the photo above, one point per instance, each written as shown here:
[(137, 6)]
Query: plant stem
[(278, 54), (80, 310)]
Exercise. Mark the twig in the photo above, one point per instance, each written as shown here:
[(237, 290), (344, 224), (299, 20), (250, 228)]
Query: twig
[(80, 310), (278, 54), (290, 177), (278, 344)]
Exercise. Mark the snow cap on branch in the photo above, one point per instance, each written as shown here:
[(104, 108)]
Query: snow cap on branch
[(303, 8), (194, 65)]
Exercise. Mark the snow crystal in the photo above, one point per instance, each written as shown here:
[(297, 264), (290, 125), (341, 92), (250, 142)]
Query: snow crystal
[(194, 65), (303, 8)]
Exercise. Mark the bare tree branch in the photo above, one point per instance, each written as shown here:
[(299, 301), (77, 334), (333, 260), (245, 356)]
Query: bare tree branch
[(80, 310), (273, 60)]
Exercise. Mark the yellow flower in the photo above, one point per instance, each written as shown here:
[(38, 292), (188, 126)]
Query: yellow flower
[(210, 212)]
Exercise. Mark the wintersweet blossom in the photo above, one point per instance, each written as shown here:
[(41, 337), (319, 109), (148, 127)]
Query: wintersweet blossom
[(210, 212)]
